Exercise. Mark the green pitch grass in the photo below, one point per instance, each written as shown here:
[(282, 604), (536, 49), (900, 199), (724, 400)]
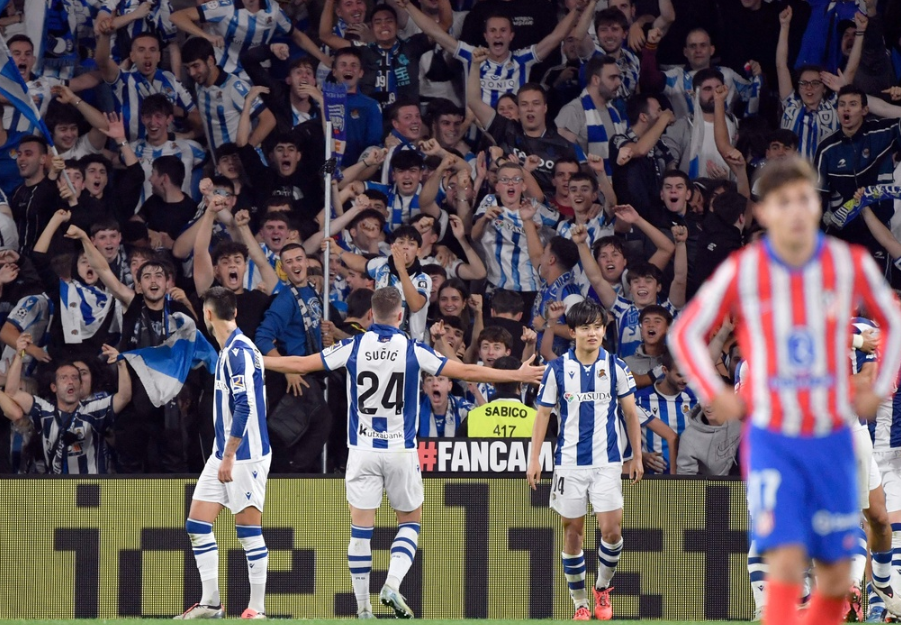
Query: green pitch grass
[(336, 621)]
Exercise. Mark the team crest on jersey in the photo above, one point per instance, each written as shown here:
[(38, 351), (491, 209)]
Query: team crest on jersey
[(801, 349), (238, 382), (684, 409), (602, 374), (865, 153)]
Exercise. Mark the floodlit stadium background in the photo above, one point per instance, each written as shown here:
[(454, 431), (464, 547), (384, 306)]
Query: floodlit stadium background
[(489, 548)]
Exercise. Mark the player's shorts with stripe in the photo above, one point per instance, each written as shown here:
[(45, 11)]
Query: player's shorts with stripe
[(868, 475), (247, 488), (889, 463), (371, 473), (573, 487), (803, 491)]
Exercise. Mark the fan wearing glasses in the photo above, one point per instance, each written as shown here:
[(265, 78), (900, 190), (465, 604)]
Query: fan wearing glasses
[(499, 226)]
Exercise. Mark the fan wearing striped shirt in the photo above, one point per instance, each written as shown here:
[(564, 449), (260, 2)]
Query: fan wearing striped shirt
[(503, 71)]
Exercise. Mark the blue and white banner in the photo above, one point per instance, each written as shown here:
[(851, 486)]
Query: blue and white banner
[(871, 195), (14, 89), (335, 98), (164, 369)]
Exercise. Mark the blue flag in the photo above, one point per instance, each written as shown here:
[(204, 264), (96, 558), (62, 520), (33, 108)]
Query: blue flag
[(163, 369), (13, 88), (334, 97)]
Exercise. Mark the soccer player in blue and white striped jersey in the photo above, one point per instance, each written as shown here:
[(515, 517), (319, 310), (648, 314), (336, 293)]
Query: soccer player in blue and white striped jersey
[(384, 370), (592, 392), (71, 431), (220, 97), (235, 474), (132, 86)]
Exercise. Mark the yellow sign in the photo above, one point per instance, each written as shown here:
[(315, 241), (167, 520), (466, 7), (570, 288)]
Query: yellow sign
[(109, 548)]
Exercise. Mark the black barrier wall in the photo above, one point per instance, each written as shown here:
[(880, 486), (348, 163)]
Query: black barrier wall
[(489, 548)]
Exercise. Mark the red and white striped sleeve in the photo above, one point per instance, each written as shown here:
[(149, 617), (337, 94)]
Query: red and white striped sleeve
[(882, 306), (688, 336)]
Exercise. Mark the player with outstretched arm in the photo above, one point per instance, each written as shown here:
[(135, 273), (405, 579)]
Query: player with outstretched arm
[(593, 393), (792, 295), (235, 474), (384, 368)]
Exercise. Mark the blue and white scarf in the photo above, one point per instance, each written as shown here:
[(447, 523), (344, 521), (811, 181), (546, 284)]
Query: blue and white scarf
[(598, 139)]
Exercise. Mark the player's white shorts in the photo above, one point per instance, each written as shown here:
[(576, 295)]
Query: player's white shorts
[(371, 473), (247, 488), (573, 487), (868, 475), (889, 463)]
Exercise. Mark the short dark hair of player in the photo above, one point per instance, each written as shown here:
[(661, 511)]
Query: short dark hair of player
[(407, 232), (729, 206), (406, 159), (435, 228), (609, 17), (433, 270), (171, 166), (644, 269), (96, 159), (532, 86), (150, 34), (853, 90), (228, 248), (785, 172), (367, 213), (157, 103), (41, 141), (494, 15), (62, 114), (638, 104), (349, 51), (155, 263), (496, 334), (290, 247), (383, 8), (565, 251), (197, 49), (359, 303), (585, 312), (706, 74), (677, 173), (20, 39), (784, 136), (596, 64), (656, 309), (667, 360), (386, 302), (581, 176), (221, 302), (507, 363), (504, 302), (303, 61), (105, 223), (611, 240)]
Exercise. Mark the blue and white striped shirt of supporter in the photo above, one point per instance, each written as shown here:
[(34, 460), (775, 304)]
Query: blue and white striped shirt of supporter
[(384, 370), (671, 409), (628, 327), (39, 89), (239, 407), (252, 276), (810, 126), (189, 152), (221, 105), (679, 89), (500, 78), (242, 29), (88, 424), (598, 227), (592, 431), (159, 20), (506, 252), (131, 87)]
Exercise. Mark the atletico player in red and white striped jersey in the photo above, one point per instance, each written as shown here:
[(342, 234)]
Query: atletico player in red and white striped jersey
[(793, 295)]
